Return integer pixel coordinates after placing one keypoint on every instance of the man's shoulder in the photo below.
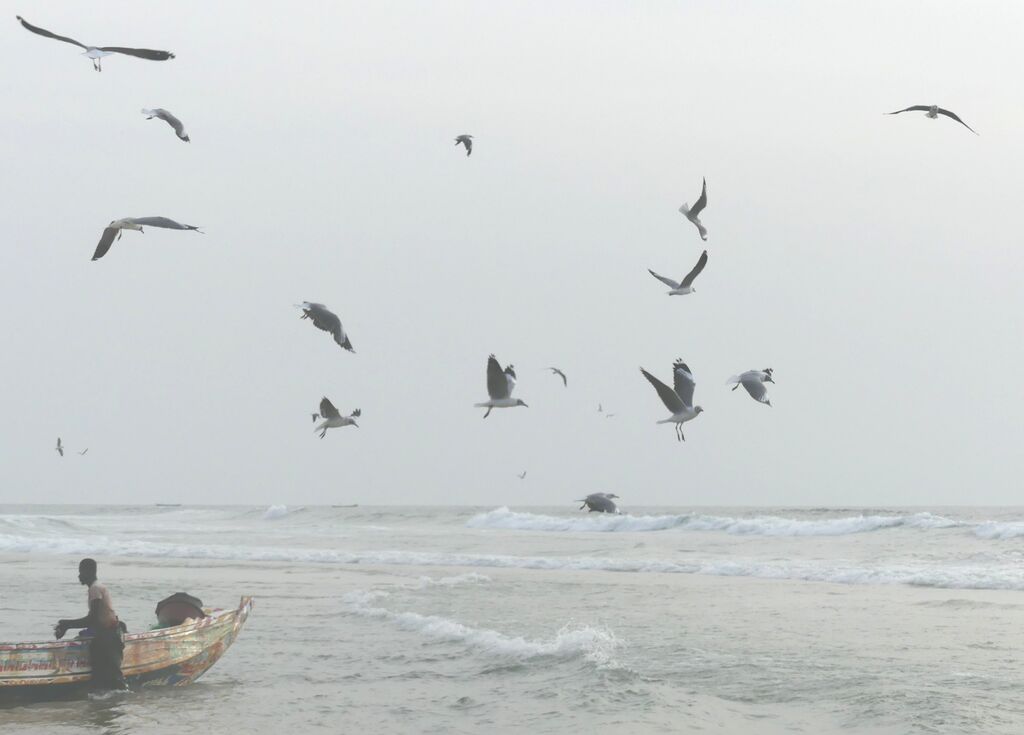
(97, 590)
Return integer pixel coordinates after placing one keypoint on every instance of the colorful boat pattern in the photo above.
(32, 672)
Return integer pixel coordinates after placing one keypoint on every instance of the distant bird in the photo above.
(500, 384)
(98, 52)
(179, 127)
(84, 451)
(679, 400)
(685, 286)
(328, 321)
(693, 213)
(522, 475)
(333, 419)
(60, 447)
(600, 503)
(556, 371)
(115, 228)
(933, 111)
(600, 409)
(754, 381)
(466, 140)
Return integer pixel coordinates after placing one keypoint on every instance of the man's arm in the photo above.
(89, 620)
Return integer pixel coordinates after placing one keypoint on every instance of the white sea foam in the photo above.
(997, 530)
(593, 644)
(503, 518)
(274, 512)
(457, 580)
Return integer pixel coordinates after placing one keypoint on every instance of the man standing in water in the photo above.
(106, 645)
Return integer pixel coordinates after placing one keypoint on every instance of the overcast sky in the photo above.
(874, 262)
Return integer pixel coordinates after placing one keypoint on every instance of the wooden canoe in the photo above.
(33, 672)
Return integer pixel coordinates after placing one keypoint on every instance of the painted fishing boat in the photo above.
(33, 672)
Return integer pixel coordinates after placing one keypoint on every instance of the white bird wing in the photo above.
(701, 262)
(668, 396)
(757, 390)
(953, 116)
(702, 202)
(684, 382)
(106, 240)
(48, 34)
(166, 116)
(667, 281)
(164, 222)
(497, 383)
(327, 409)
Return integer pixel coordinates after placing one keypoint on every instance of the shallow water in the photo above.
(549, 620)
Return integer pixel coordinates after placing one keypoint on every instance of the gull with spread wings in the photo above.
(500, 384)
(693, 213)
(753, 381)
(98, 52)
(114, 229)
(684, 286)
(933, 111)
(333, 419)
(325, 319)
(678, 400)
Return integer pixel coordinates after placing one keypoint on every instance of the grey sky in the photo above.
(874, 262)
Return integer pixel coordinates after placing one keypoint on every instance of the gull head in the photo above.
(697, 409)
(933, 111)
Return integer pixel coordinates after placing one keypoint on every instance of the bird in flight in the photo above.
(600, 409)
(556, 371)
(600, 503)
(679, 399)
(323, 318)
(60, 447)
(114, 229)
(693, 213)
(684, 286)
(522, 475)
(754, 383)
(466, 140)
(500, 384)
(333, 418)
(96, 53)
(82, 453)
(933, 111)
(179, 127)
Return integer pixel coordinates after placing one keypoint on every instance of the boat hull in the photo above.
(34, 672)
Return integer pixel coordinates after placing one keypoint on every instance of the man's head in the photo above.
(87, 571)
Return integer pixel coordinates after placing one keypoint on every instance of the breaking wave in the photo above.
(274, 512)
(503, 518)
(997, 530)
(592, 644)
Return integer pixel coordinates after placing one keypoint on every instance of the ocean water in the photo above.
(548, 620)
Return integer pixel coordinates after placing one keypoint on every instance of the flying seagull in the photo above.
(60, 447)
(98, 52)
(522, 475)
(693, 213)
(600, 503)
(678, 400)
(600, 409)
(500, 384)
(556, 371)
(84, 451)
(754, 381)
(334, 419)
(933, 111)
(115, 228)
(179, 127)
(466, 140)
(685, 286)
(326, 320)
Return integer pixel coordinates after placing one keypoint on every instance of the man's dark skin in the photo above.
(106, 646)
(86, 576)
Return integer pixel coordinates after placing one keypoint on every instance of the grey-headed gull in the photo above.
(933, 111)
(167, 117)
(684, 286)
(693, 213)
(333, 418)
(500, 384)
(754, 383)
(600, 503)
(114, 229)
(98, 52)
(325, 319)
(678, 400)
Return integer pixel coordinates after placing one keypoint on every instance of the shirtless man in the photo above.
(106, 645)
